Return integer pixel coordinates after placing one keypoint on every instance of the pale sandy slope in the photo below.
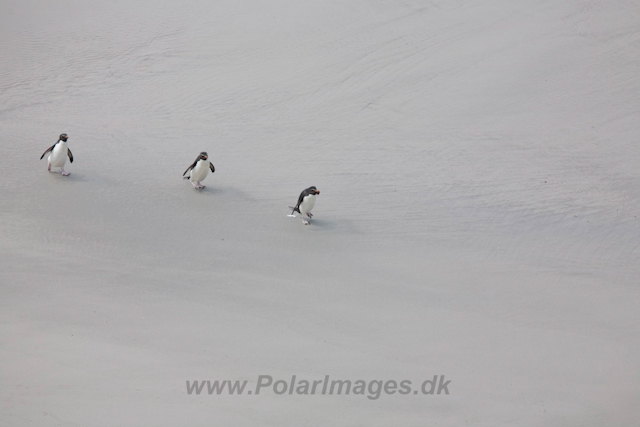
(478, 217)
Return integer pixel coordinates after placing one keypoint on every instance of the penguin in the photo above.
(59, 153)
(199, 170)
(306, 202)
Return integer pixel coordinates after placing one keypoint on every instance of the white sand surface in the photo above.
(479, 214)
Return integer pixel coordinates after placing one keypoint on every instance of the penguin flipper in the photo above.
(70, 155)
(213, 169)
(48, 149)
(300, 199)
(193, 165)
(295, 209)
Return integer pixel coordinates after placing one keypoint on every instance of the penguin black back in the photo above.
(306, 192)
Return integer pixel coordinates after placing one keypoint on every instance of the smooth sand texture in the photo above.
(479, 213)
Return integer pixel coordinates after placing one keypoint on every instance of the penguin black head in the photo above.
(63, 136)
(313, 190)
(203, 156)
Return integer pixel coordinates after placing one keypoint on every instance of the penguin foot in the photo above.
(305, 222)
(49, 167)
(309, 214)
(64, 173)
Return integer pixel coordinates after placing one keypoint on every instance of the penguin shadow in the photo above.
(209, 190)
(68, 179)
(223, 191)
(79, 178)
(329, 225)
(322, 224)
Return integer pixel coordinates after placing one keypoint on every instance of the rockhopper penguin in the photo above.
(306, 202)
(59, 153)
(199, 170)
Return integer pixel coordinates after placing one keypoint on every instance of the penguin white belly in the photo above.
(58, 156)
(199, 172)
(307, 204)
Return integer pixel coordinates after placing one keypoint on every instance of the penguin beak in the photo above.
(317, 191)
